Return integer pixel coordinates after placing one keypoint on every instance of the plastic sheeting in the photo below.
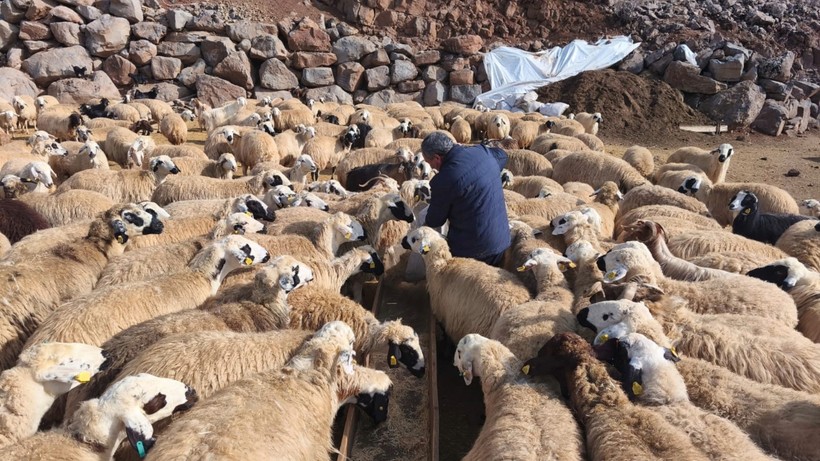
(513, 72)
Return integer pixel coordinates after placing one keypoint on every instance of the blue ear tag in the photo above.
(140, 449)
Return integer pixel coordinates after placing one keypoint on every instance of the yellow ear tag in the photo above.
(372, 264)
(611, 275)
(604, 338)
(393, 361)
(572, 265)
(119, 239)
(747, 211)
(416, 197)
(526, 369)
(248, 261)
(83, 377)
(236, 231)
(426, 248)
(349, 235)
(673, 351)
(637, 389)
(521, 268)
(249, 213)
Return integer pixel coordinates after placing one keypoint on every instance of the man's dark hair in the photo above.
(436, 143)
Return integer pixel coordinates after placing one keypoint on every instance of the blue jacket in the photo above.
(467, 190)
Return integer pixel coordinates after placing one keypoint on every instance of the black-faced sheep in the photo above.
(751, 223)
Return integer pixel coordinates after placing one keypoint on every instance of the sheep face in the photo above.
(371, 264)
(267, 127)
(39, 172)
(133, 220)
(622, 258)
(136, 153)
(280, 197)
(241, 224)
(188, 116)
(18, 103)
(421, 240)
(374, 397)
(335, 187)
(398, 208)
(284, 273)
(137, 402)
(38, 137)
(466, 356)
(227, 162)
(241, 252)
(256, 208)
(597, 117)
(581, 251)
(83, 133)
(351, 135)
(60, 367)
(231, 135)
(610, 333)
(724, 152)
(422, 192)
(545, 257)
(403, 347)
(567, 221)
(273, 178)
(155, 210)
(163, 165)
(13, 185)
(637, 357)
(348, 227)
(743, 202)
(690, 186)
(305, 164)
(49, 148)
(405, 125)
(310, 200)
(92, 149)
(563, 352)
(600, 315)
(506, 178)
(785, 273)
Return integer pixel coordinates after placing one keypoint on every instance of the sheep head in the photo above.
(252, 206)
(744, 202)
(18, 103)
(283, 273)
(724, 152)
(581, 251)
(785, 273)
(128, 220)
(371, 263)
(348, 227)
(228, 163)
(564, 223)
(635, 353)
(467, 356)
(402, 346)
(422, 240)
(368, 389)
(309, 199)
(627, 261)
(598, 316)
(39, 172)
(608, 194)
(545, 258)
(280, 197)
(562, 353)
(83, 133)
(506, 178)
(163, 165)
(239, 224)
(48, 148)
(154, 210)
(92, 149)
(398, 208)
(60, 367)
(330, 349)
(133, 403)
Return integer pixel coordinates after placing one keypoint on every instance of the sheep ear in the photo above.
(155, 404)
(671, 354)
(139, 431)
(65, 374)
(120, 233)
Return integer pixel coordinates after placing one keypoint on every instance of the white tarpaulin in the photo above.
(513, 72)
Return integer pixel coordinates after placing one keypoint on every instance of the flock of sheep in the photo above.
(143, 280)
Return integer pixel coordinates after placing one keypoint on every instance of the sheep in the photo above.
(45, 101)
(750, 346)
(548, 207)
(5, 246)
(220, 140)
(124, 185)
(159, 109)
(325, 151)
(756, 225)
(717, 197)
(222, 168)
(362, 178)
(499, 127)
(259, 306)
(26, 111)
(35, 286)
(693, 243)
(461, 130)
(122, 112)
(526, 132)
(641, 159)
(650, 369)
(174, 128)
(593, 142)
(144, 111)
(714, 163)
(488, 292)
(615, 428)
(212, 119)
(802, 241)
(583, 191)
(8, 121)
(589, 121)
(89, 156)
(530, 186)
(546, 142)
(368, 156)
(657, 195)
(290, 143)
(522, 328)
(151, 262)
(803, 285)
(526, 413)
(253, 148)
(674, 178)
(175, 152)
(68, 206)
(374, 117)
(59, 121)
(93, 320)
(243, 203)
(523, 162)
(288, 119)
(38, 173)
(812, 207)
(198, 188)
(313, 383)
(732, 294)
(662, 213)
(565, 127)
(42, 374)
(126, 410)
(117, 146)
(17, 220)
(581, 225)
(380, 137)
(595, 169)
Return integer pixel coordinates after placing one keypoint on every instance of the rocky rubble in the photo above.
(105, 47)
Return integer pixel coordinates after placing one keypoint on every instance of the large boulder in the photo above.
(275, 75)
(178, 19)
(119, 69)
(67, 33)
(352, 48)
(465, 94)
(236, 68)
(189, 74)
(55, 64)
(425, 58)
(151, 31)
(302, 59)
(738, 106)
(772, 118)
(208, 21)
(330, 93)
(80, 91)
(728, 70)
(90, 13)
(266, 46)
(16, 83)
(247, 30)
(107, 35)
(64, 13)
(308, 39)
(14, 58)
(384, 97)
(463, 44)
(10, 13)
(215, 91)
(37, 10)
(8, 35)
(349, 76)
(188, 53)
(378, 78)
(140, 52)
(128, 9)
(778, 68)
(215, 49)
(317, 76)
(167, 91)
(686, 77)
(402, 71)
(165, 68)
(31, 30)
(435, 93)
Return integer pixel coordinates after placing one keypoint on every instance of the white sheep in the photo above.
(595, 169)
(288, 119)
(461, 130)
(802, 240)
(255, 147)
(523, 418)
(124, 185)
(714, 163)
(589, 121)
(26, 111)
(198, 188)
(641, 159)
(89, 156)
(290, 143)
(45, 101)
(8, 121)
(214, 118)
(222, 168)
(174, 128)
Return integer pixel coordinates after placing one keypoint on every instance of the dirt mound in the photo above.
(631, 105)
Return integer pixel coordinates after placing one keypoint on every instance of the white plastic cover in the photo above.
(513, 72)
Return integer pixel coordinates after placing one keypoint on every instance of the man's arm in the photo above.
(440, 200)
(500, 156)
